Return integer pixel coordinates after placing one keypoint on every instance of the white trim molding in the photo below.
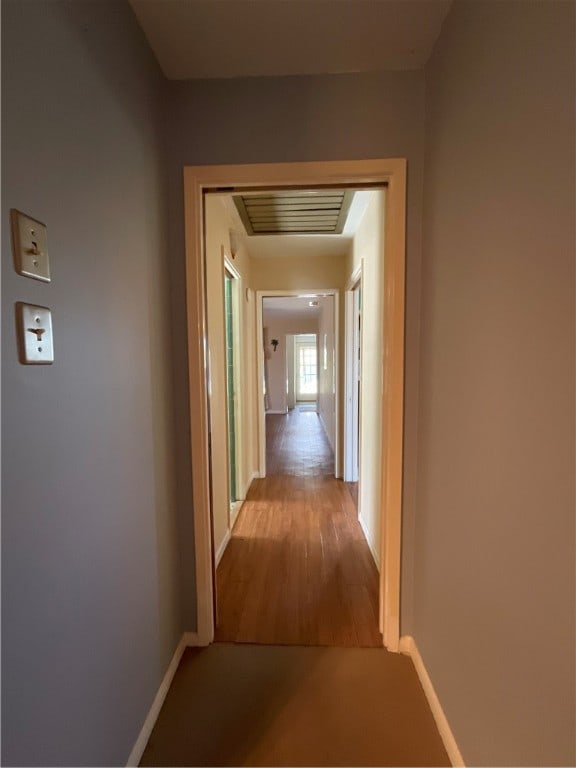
(370, 544)
(194, 640)
(152, 716)
(222, 547)
(355, 277)
(254, 476)
(408, 646)
(235, 508)
(188, 639)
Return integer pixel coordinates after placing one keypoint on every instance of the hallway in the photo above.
(298, 570)
(297, 675)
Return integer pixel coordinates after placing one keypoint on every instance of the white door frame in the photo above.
(234, 507)
(312, 293)
(290, 372)
(201, 179)
(351, 347)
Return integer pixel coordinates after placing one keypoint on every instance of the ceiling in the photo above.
(197, 39)
(292, 308)
(294, 212)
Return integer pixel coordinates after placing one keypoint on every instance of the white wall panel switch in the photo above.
(30, 244)
(35, 334)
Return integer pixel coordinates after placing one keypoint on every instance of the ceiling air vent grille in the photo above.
(316, 212)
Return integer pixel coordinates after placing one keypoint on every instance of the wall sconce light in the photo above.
(274, 343)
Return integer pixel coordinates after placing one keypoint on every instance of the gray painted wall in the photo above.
(494, 580)
(286, 119)
(90, 600)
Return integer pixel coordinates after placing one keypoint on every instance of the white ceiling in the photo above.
(289, 308)
(194, 39)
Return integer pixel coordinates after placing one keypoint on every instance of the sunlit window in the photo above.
(307, 370)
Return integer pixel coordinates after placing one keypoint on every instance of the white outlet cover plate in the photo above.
(35, 332)
(30, 244)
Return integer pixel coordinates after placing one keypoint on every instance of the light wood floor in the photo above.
(296, 444)
(298, 569)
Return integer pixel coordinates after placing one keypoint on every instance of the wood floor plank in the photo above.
(298, 570)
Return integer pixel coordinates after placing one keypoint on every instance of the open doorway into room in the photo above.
(298, 504)
(303, 369)
(298, 569)
(299, 420)
(295, 501)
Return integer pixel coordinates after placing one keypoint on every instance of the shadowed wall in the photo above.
(494, 579)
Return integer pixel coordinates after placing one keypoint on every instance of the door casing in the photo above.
(352, 346)
(260, 295)
(230, 269)
(199, 180)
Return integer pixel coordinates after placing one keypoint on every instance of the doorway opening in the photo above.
(353, 381)
(205, 180)
(305, 367)
(299, 330)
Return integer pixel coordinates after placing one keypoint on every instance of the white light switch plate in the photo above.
(35, 334)
(30, 243)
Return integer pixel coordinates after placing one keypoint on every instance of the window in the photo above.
(306, 367)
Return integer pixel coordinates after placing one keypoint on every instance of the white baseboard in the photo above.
(409, 647)
(188, 639)
(370, 545)
(328, 436)
(283, 413)
(222, 547)
(235, 511)
(254, 476)
(150, 721)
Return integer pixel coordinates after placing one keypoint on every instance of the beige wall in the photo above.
(368, 249)
(296, 273)
(494, 579)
